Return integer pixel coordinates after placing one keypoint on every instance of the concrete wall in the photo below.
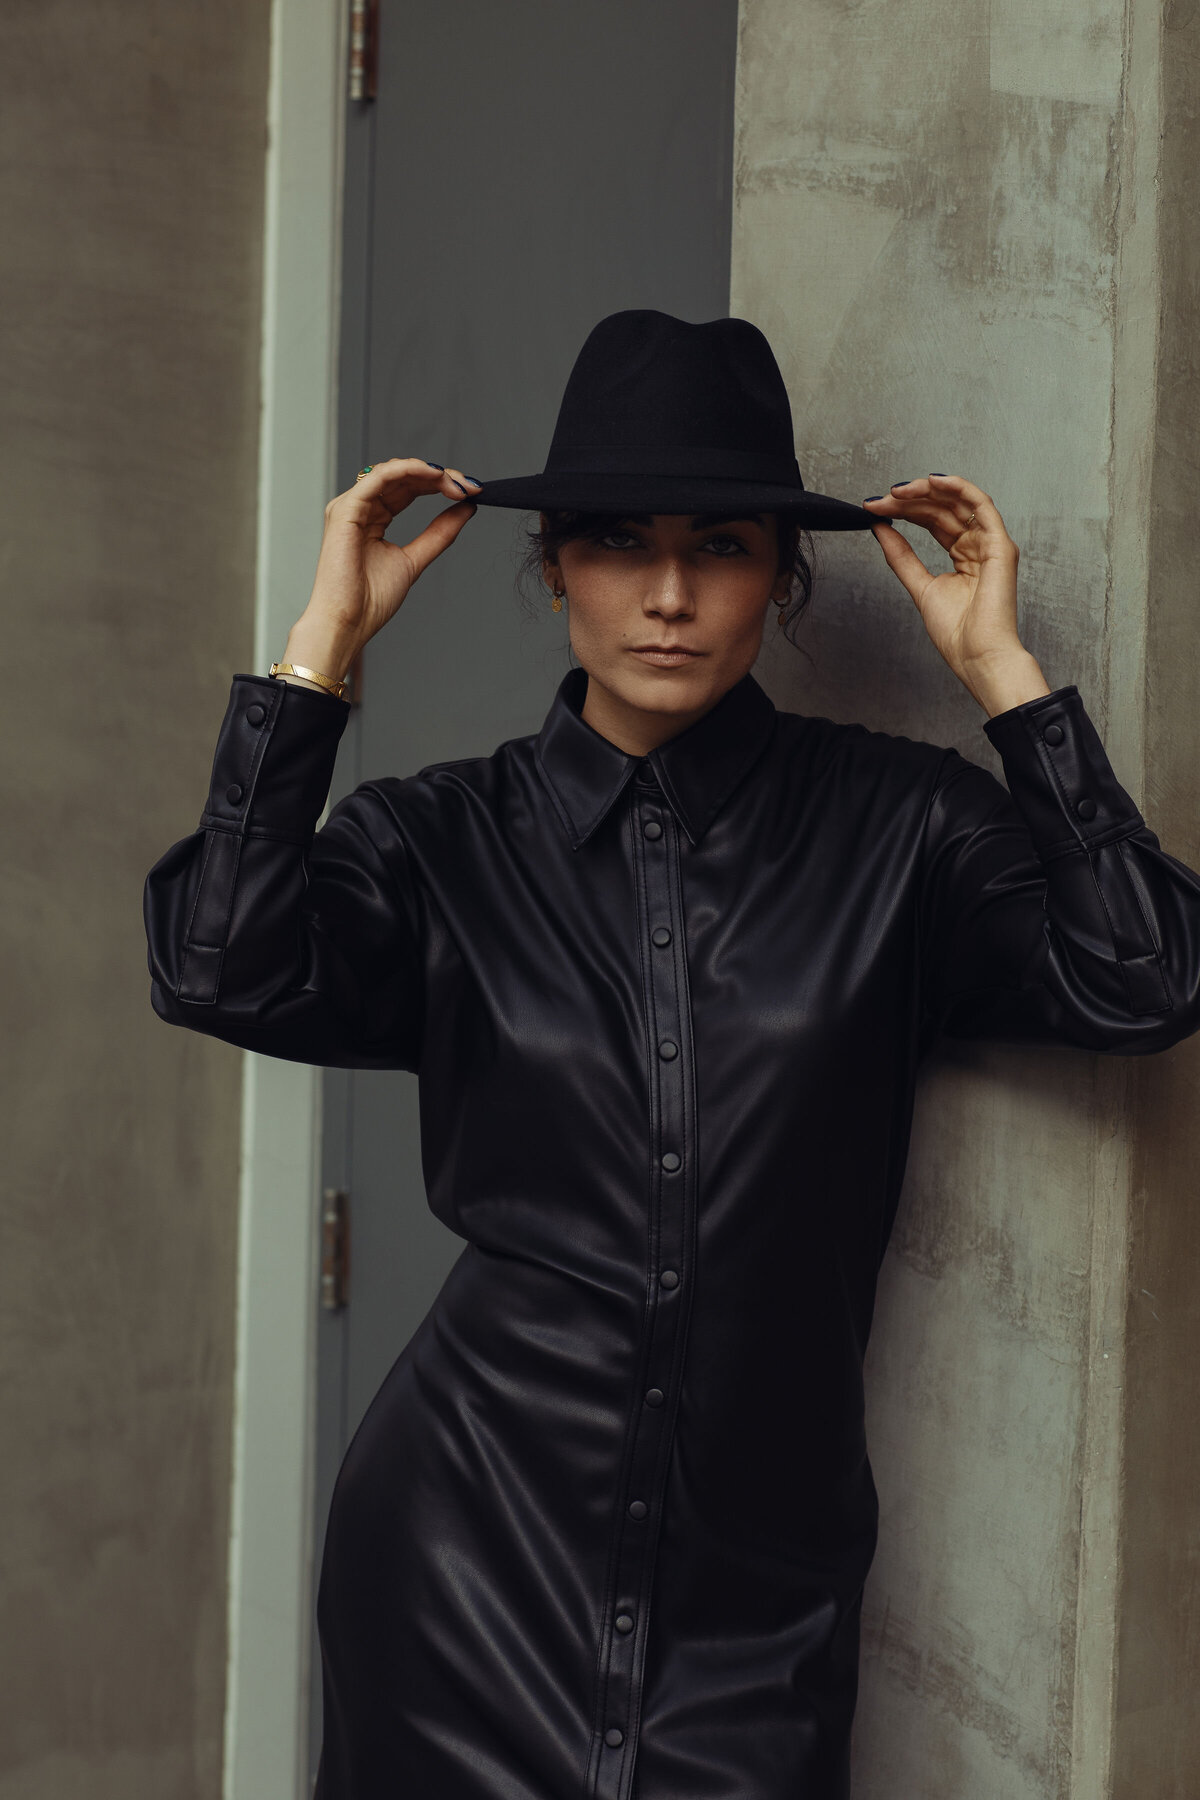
(130, 212)
(1158, 1675)
(947, 223)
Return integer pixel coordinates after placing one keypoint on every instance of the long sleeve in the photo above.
(261, 930)
(1051, 911)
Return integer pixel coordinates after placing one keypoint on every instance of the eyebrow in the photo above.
(702, 521)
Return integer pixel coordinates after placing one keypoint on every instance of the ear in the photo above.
(551, 573)
(781, 586)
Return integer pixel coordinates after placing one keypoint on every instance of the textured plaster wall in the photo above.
(130, 214)
(946, 223)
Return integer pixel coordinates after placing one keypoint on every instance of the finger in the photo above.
(405, 476)
(938, 508)
(977, 511)
(437, 536)
(949, 531)
(388, 487)
(903, 561)
(464, 484)
(969, 501)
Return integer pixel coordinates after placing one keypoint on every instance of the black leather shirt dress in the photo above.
(604, 1530)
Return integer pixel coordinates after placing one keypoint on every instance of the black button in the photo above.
(654, 1397)
(614, 1736)
(652, 829)
(668, 1050)
(1086, 808)
(638, 1509)
(623, 1623)
(255, 714)
(668, 1279)
(1053, 734)
(671, 1161)
(660, 936)
(233, 793)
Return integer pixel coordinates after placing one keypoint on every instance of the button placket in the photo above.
(669, 1239)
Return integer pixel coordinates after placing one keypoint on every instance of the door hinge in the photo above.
(364, 49)
(335, 1249)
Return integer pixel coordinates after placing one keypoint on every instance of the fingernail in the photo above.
(940, 472)
(871, 497)
(475, 479)
(906, 483)
(433, 465)
(458, 484)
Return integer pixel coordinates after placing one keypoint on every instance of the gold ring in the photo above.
(365, 471)
(969, 523)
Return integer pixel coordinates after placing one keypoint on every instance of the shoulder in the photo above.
(447, 789)
(833, 749)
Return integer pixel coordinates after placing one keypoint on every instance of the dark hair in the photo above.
(796, 552)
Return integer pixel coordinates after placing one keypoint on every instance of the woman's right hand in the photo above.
(362, 580)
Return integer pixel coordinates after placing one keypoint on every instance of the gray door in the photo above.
(525, 169)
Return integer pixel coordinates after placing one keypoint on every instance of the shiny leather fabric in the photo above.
(604, 1529)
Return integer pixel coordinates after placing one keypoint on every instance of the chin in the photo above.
(669, 690)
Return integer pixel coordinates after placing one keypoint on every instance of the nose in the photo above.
(669, 592)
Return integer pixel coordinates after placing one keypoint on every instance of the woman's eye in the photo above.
(725, 544)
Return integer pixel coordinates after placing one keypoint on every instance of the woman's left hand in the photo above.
(971, 614)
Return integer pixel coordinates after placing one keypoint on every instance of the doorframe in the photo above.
(271, 1549)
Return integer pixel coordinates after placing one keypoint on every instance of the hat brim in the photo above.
(672, 494)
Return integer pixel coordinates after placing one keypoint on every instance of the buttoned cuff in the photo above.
(1059, 775)
(274, 759)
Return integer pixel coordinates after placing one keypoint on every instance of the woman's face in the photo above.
(698, 586)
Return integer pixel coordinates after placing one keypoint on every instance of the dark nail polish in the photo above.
(441, 467)
(458, 484)
(897, 484)
(873, 497)
(475, 479)
(940, 472)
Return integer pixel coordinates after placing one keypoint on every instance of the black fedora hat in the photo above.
(663, 416)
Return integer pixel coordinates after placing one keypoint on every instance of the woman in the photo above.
(666, 970)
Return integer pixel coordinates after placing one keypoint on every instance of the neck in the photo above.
(632, 728)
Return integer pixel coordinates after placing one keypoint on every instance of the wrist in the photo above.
(1006, 679)
(321, 645)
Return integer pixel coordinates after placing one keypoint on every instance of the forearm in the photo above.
(261, 930)
(1056, 913)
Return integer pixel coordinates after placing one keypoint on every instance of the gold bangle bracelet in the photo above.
(328, 682)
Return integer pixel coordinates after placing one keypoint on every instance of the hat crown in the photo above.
(650, 392)
(660, 415)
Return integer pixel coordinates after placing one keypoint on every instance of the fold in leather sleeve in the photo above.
(1051, 910)
(298, 943)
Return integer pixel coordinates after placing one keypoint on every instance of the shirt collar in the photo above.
(585, 772)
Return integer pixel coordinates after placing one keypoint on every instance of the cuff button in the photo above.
(1086, 808)
(255, 714)
(1053, 734)
(233, 793)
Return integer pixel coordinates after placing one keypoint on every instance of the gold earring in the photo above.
(557, 601)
